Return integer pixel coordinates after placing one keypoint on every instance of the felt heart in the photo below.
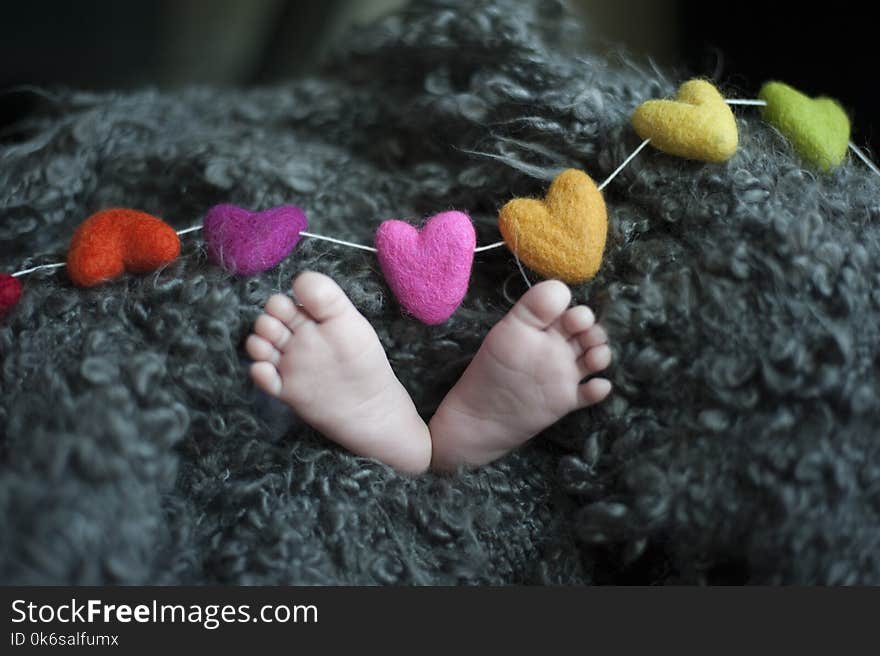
(113, 241)
(10, 292)
(698, 124)
(817, 128)
(429, 269)
(246, 242)
(562, 236)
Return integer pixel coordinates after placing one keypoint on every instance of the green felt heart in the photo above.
(817, 128)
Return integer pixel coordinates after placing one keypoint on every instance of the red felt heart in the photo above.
(117, 240)
(10, 292)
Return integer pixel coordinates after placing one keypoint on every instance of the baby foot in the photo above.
(324, 360)
(526, 375)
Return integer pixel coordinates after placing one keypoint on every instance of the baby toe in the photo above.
(542, 305)
(576, 320)
(262, 350)
(594, 336)
(281, 307)
(266, 377)
(597, 358)
(593, 391)
(321, 297)
(272, 330)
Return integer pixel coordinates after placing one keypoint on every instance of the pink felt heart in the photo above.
(429, 269)
(245, 242)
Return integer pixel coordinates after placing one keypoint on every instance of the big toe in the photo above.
(542, 304)
(322, 298)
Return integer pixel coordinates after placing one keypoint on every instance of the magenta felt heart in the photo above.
(246, 242)
(429, 269)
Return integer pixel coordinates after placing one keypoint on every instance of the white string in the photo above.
(518, 263)
(522, 271)
(24, 272)
(864, 158)
(504, 292)
(616, 171)
(479, 249)
(755, 103)
(497, 244)
(339, 241)
(193, 229)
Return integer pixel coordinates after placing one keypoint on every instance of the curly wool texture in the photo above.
(741, 300)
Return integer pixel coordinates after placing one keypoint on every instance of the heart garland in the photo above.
(561, 236)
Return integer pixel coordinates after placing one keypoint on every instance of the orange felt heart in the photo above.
(562, 236)
(111, 242)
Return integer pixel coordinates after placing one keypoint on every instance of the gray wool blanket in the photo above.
(741, 444)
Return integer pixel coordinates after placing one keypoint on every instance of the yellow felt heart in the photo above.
(562, 236)
(698, 124)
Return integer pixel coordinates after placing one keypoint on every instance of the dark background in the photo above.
(103, 44)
